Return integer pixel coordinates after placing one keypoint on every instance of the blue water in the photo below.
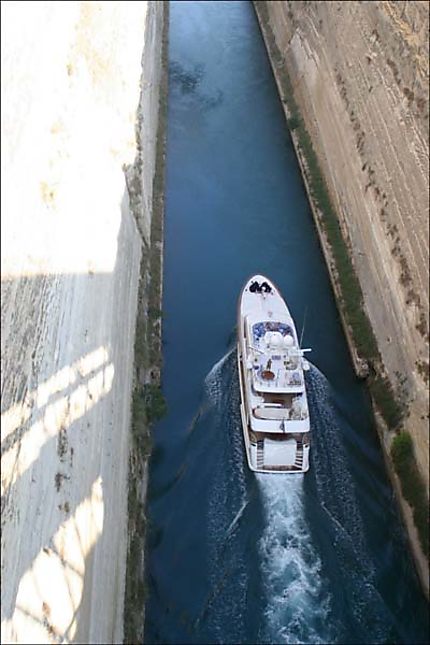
(233, 557)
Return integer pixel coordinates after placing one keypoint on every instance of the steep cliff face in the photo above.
(77, 78)
(360, 75)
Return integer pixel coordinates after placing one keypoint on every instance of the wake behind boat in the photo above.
(274, 407)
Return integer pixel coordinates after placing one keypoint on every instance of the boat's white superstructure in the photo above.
(274, 407)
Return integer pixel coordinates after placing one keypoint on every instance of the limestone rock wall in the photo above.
(360, 72)
(77, 78)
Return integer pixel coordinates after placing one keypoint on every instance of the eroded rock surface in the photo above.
(360, 72)
(72, 77)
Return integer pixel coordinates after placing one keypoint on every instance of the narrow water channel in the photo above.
(233, 557)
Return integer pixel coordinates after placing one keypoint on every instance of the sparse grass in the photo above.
(141, 350)
(413, 487)
(351, 303)
(140, 424)
(148, 404)
(157, 222)
(134, 598)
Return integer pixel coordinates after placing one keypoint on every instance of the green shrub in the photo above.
(138, 410)
(293, 123)
(155, 403)
(402, 448)
(382, 392)
(155, 312)
(413, 487)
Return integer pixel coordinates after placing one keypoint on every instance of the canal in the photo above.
(233, 557)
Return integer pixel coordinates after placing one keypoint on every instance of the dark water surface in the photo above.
(233, 557)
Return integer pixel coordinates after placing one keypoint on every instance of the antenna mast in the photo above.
(303, 327)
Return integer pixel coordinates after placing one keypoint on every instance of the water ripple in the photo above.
(368, 613)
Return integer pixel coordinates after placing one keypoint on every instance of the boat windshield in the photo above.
(261, 328)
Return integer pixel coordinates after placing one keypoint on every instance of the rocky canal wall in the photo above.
(359, 75)
(80, 97)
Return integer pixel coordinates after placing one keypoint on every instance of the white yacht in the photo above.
(274, 407)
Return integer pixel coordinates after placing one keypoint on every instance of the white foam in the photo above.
(237, 517)
(214, 384)
(297, 606)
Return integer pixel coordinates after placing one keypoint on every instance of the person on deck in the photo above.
(266, 287)
(255, 287)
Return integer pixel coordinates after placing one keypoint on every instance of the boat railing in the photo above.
(279, 413)
(282, 378)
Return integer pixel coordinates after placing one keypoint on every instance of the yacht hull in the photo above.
(268, 449)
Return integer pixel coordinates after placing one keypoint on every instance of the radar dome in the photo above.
(277, 339)
(288, 340)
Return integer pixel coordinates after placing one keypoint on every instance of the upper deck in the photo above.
(274, 353)
(271, 347)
